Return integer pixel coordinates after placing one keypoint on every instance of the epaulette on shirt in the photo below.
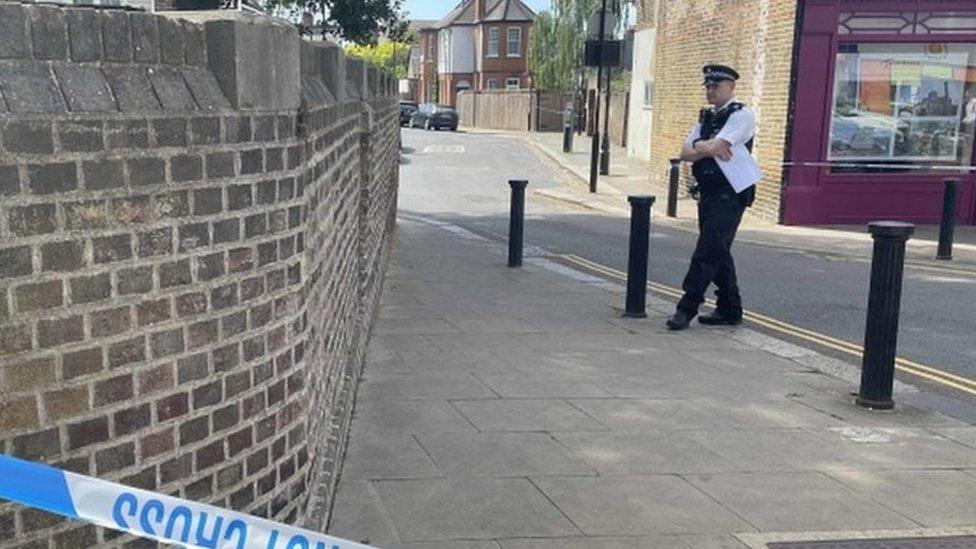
(706, 113)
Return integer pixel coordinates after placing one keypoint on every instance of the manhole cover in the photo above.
(952, 542)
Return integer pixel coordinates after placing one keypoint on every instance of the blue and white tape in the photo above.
(148, 514)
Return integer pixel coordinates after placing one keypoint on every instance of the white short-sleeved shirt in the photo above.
(738, 130)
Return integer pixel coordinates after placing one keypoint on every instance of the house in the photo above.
(478, 45)
(641, 103)
(423, 62)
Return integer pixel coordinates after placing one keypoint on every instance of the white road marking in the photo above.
(456, 149)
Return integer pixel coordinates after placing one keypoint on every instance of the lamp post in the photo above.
(603, 53)
(605, 150)
(595, 149)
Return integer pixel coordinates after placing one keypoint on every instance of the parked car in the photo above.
(434, 117)
(407, 108)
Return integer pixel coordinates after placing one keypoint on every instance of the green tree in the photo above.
(356, 21)
(392, 57)
(557, 40)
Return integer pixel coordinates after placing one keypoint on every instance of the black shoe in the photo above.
(679, 320)
(716, 318)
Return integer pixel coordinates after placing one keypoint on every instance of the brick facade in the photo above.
(754, 36)
(188, 266)
(503, 66)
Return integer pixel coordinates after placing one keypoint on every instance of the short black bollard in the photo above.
(884, 302)
(948, 226)
(673, 187)
(568, 131)
(640, 226)
(516, 221)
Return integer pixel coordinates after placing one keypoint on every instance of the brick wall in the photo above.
(194, 219)
(755, 37)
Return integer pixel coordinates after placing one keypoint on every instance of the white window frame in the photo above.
(494, 39)
(509, 51)
(510, 79)
(493, 84)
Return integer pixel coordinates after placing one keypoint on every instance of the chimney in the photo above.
(479, 10)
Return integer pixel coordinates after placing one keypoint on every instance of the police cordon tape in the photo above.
(148, 514)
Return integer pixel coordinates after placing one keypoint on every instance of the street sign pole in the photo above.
(595, 148)
(605, 152)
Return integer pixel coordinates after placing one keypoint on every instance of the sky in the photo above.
(435, 9)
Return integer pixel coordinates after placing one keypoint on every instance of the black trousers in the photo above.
(718, 220)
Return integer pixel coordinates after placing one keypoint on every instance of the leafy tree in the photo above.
(392, 57)
(557, 40)
(356, 21)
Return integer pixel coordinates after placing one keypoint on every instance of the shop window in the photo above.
(903, 107)
(512, 84)
(493, 34)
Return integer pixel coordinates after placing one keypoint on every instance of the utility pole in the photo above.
(605, 151)
(595, 149)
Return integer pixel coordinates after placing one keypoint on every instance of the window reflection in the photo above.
(900, 107)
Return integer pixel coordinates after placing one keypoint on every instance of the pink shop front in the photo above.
(884, 111)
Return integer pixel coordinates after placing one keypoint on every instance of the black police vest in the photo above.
(711, 180)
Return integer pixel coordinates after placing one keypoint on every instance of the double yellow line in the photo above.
(926, 372)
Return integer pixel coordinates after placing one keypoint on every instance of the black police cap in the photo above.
(717, 73)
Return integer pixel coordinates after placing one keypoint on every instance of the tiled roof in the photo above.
(422, 24)
(509, 10)
(495, 10)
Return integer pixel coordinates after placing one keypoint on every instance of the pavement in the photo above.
(629, 175)
(516, 409)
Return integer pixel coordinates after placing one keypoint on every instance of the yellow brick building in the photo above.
(755, 37)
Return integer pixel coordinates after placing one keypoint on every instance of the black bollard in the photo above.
(640, 226)
(516, 220)
(568, 137)
(673, 187)
(948, 226)
(884, 301)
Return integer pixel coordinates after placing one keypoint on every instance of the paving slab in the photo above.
(454, 385)
(532, 415)
(797, 501)
(708, 541)
(903, 415)
(501, 455)
(962, 435)
(381, 456)
(523, 385)
(466, 509)
(603, 542)
(932, 498)
(646, 452)
(398, 417)
(638, 505)
(645, 414)
(417, 326)
(361, 515)
(453, 544)
(779, 449)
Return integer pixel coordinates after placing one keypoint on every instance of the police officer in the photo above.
(725, 125)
